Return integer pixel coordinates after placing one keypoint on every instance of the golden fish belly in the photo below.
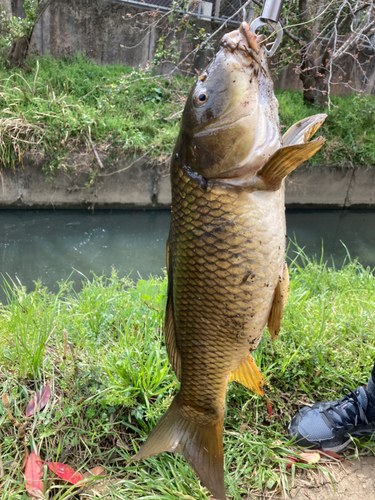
(227, 251)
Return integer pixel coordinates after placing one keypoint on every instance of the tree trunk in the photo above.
(6, 5)
(314, 82)
(315, 75)
(18, 51)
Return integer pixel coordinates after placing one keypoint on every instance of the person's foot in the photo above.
(329, 425)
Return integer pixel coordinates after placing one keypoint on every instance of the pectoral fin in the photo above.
(286, 159)
(169, 327)
(303, 130)
(295, 151)
(279, 302)
(248, 374)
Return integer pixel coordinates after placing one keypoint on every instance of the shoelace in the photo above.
(354, 415)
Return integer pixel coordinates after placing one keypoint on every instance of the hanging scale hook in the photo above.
(270, 17)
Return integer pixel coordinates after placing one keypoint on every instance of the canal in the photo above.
(51, 245)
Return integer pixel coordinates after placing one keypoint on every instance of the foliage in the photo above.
(180, 37)
(13, 27)
(321, 37)
(63, 104)
(16, 32)
(110, 379)
(59, 106)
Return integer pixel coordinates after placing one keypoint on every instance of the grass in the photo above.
(349, 127)
(57, 106)
(103, 354)
(61, 105)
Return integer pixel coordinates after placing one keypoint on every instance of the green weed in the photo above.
(349, 127)
(63, 105)
(103, 353)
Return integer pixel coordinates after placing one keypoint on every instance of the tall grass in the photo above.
(111, 380)
(60, 105)
(63, 105)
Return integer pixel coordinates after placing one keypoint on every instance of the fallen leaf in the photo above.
(95, 471)
(34, 475)
(41, 398)
(290, 461)
(65, 472)
(269, 409)
(334, 455)
(311, 457)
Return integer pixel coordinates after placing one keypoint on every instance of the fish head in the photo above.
(230, 124)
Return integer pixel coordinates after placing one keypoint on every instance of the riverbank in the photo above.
(57, 110)
(101, 352)
(143, 183)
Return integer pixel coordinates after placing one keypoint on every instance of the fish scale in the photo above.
(232, 311)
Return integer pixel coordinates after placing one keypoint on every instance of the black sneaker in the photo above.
(329, 425)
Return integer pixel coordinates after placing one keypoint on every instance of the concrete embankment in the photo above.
(141, 184)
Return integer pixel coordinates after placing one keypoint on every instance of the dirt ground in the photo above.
(352, 482)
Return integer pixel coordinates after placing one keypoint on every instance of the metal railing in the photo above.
(210, 10)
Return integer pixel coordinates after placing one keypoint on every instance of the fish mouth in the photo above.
(244, 41)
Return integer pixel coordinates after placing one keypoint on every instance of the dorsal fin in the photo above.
(169, 327)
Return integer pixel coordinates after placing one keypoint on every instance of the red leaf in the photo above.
(41, 398)
(65, 472)
(290, 461)
(269, 409)
(34, 475)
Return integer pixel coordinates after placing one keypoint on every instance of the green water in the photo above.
(50, 245)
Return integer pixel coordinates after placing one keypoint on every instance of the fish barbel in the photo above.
(226, 248)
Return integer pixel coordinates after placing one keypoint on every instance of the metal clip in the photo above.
(270, 16)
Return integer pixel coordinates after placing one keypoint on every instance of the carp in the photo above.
(226, 247)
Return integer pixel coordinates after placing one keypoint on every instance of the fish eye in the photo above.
(201, 98)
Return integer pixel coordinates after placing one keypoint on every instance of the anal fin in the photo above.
(248, 374)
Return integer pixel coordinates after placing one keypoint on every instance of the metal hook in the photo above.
(277, 28)
(271, 10)
(270, 16)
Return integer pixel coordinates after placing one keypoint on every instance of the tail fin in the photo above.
(201, 445)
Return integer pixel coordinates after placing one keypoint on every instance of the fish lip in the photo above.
(241, 39)
(245, 42)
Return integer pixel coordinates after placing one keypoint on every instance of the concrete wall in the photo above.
(288, 79)
(140, 184)
(103, 31)
(96, 28)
